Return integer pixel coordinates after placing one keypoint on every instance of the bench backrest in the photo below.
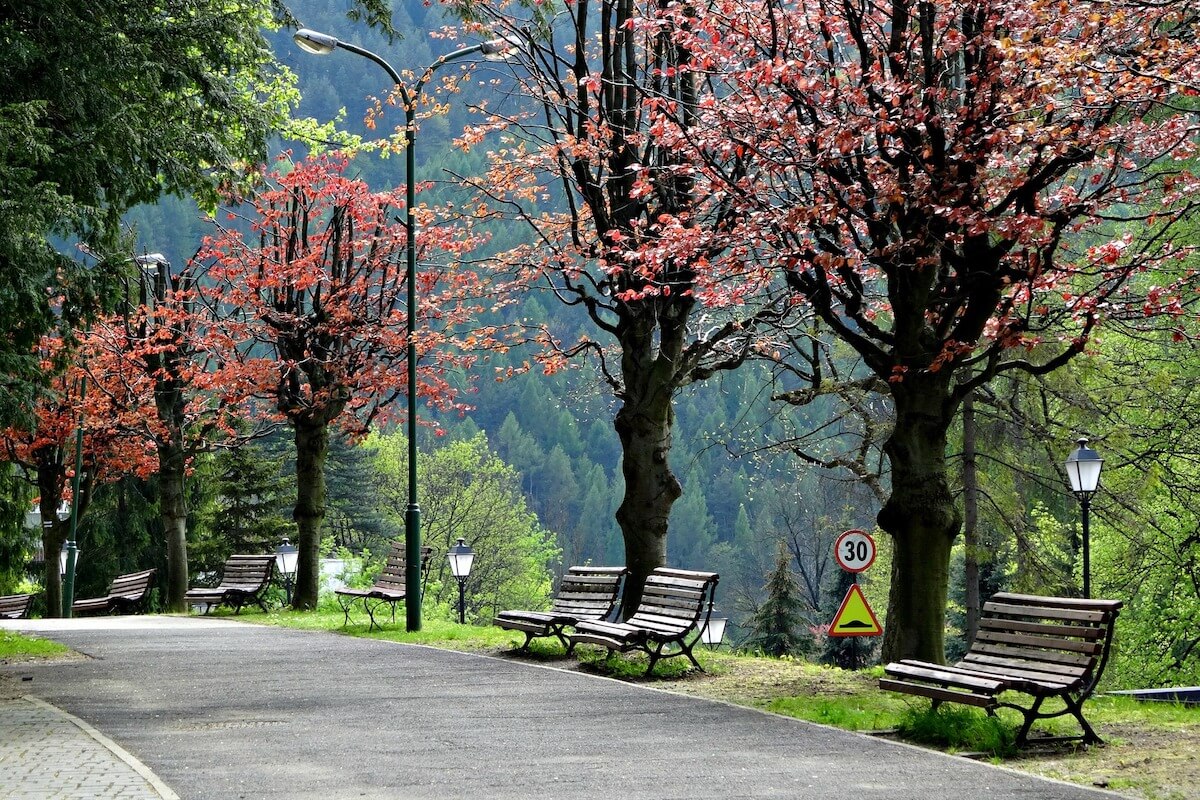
(675, 600)
(1058, 638)
(133, 587)
(392, 577)
(247, 572)
(15, 606)
(589, 592)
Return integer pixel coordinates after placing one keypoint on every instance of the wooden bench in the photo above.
(586, 593)
(15, 606)
(674, 609)
(390, 587)
(1044, 647)
(128, 594)
(244, 579)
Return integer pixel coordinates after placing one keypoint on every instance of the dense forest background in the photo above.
(758, 474)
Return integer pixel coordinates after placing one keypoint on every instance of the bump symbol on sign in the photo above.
(855, 617)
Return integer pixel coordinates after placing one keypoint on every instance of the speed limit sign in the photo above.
(854, 551)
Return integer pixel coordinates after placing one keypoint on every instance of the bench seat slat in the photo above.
(1065, 614)
(1011, 651)
(1043, 680)
(945, 676)
(938, 693)
(1030, 681)
(1090, 648)
(973, 659)
(1043, 628)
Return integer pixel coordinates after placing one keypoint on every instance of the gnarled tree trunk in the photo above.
(172, 510)
(312, 445)
(921, 517)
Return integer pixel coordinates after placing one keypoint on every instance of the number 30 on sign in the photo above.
(854, 551)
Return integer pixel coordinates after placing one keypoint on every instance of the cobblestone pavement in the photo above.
(47, 754)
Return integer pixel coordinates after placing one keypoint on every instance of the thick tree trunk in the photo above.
(172, 510)
(922, 519)
(51, 476)
(650, 490)
(971, 548)
(651, 345)
(312, 444)
(53, 538)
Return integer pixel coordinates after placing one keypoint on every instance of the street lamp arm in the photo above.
(322, 43)
(388, 68)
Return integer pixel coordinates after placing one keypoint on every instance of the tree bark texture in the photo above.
(173, 512)
(971, 547)
(922, 519)
(644, 425)
(51, 476)
(312, 445)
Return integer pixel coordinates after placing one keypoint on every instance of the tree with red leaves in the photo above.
(315, 307)
(618, 234)
(65, 417)
(162, 368)
(956, 189)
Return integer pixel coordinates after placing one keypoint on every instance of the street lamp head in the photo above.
(314, 42)
(150, 261)
(713, 632)
(64, 557)
(1083, 470)
(286, 556)
(502, 48)
(461, 556)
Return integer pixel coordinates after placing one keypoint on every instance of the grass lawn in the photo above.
(18, 647)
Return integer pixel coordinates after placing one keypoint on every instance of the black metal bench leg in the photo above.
(1076, 709)
(562, 637)
(371, 613)
(345, 603)
(1030, 716)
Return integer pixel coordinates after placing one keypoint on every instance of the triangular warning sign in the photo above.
(855, 617)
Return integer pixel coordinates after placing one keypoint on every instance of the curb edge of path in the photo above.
(164, 791)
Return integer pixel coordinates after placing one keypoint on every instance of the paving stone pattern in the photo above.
(45, 755)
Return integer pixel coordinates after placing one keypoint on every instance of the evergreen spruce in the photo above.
(252, 496)
(778, 627)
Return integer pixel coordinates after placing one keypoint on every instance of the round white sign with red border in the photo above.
(854, 551)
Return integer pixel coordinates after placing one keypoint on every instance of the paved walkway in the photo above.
(225, 710)
(47, 754)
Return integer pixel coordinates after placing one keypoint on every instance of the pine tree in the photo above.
(251, 500)
(778, 627)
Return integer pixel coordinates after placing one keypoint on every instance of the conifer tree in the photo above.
(778, 627)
